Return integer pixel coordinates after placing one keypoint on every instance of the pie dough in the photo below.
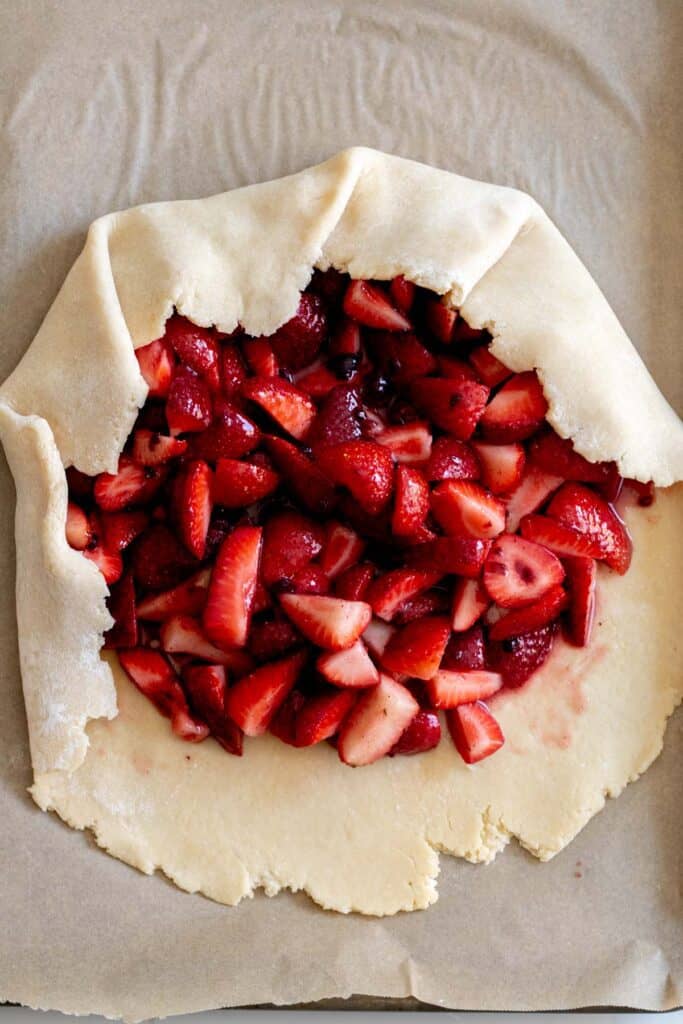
(367, 839)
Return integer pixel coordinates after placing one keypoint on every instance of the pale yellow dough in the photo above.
(354, 839)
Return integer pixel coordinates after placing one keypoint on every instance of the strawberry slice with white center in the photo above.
(154, 677)
(474, 731)
(130, 485)
(182, 634)
(378, 720)
(448, 689)
(108, 562)
(554, 454)
(188, 406)
(491, 371)
(192, 501)
(151, 448)
(302, 477)
(365, 468)
(290, 542)
(417, 649)
(259, 354)
(516, 411)
(121, 606)
(353, 583)
(563, 540)
(452, 460)
(376, 636)
(533, 490)
(187, 598)
(206, 689)
(440, 320)
(580, 509)
(464, 507)
(502, 465)
(411, 502)
(582, 577)
(156, 366)
(531, 616)
(421, 735)
(342, 549)
(464, 556)
(230, 598)
(519, 657)
(195, 346)
(352, 667)
(321, 717)
(253, 700)
(290, 407)
(239, 484)
(454, 405)
(409, 443)
(388, 592)
(402, 292)
(470, 601)
(370, 306)
(518, 572)
(78, 529)
(327, 621)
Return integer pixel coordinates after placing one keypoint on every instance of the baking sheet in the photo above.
(107, 105)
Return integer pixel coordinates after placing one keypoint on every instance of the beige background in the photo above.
(106, 105)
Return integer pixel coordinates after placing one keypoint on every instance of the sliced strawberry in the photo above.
(388, 592)
(317, 380)
(457, 369)
(417, 649)
(195, 346)
(156, 366)
(534, 489)
(401, 357)
(411, 502)
(463, 507)
(283, 723)
(449, 689)
(452, 460)
(252, 702)
(464, 556)
(121, 528)
(188, 406)
(233, 372)
(121, 605)
(518, 657)
(290, 542)
(582, 510)
(376, 636)
(353, 583)
(409, 443)
(290, 407)
(230, 435)
(272, 638)
(327, 621)
(302, 477)
(188, 598)
(423, 733)
(433, 602)
(369, 305)
(582, 577)
(78, 527)
(465, 651)
(339, 417)
(491, 371)
(440, 320)
(239, 484)
(206, 689)
(154, 677)
(474, 731)
(230, 599)
(516, 411)
(130, 485)
(518, 572)
(341, 550)
(345, 341)
(364, 467)
(502, 465)
(563, 540)
(351, 667)
(298, 342)
(311, 580)
(376, 723)
(260, 357)
(402, 292)
(181, 634)
(532, 616)
(151, 448)
(192, 499)
(454, 405)
(322, 716)
(554, 454)
(108, 562)
(470, 601)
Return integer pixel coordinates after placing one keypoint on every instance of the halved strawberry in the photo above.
(327, 621)
(108, 562)
(270, 638)
(322, 716)
(230, 435)
(563, 540)
(290, 542)
(151, 448)
(516, 411)
(317, 380)
(206, 689)
(156, 366)
(238, 484)
(518, 572)
(297, 342)
(454, 405)
(260, 357)
(254, 699)
(440, 319)
(531, 616)
(376, 722)
(192, 500)
(402, 292)
(339, 417)
(464, 556)
(283, 722)
(449, 689)
(121, 605)
(465, 651)
(502, 465)
(233, 372)
(470, 601)
(452, 460)
(417, 649)
(463, 507)
(121, 528)
(582, 576)
(401, 357)
(582, 510)
(353, 583)
(188, 598)
(411, 442)
(341, 550)
(376, 636)
(518, 657)
(130, 485)
(154, 677)
(432, 602)
(290, 407)
(388, 592)
(474, 731)
(491, 371)
(302, 477)
(195, 346)
(555, 454)
(78, 527)
(365, 468)
(310, 580)
(533, 491)
(188, 406)
(230, 599)
(369, 305)
(182, 634)
(351, 667)
(423, 733)
(411, 502)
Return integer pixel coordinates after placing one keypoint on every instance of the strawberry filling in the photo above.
(345, 530)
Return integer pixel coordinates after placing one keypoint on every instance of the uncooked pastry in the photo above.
(366, 840)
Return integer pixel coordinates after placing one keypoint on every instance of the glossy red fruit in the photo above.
(464, 556)
(188, 407)
(353, 583)
(283, 723)
(365, 468)
(156, 366)
(345, 340)
(440, 320)
(457, 369)
(188, 598)
(490, 370)
(351, 667)
(230, 599)
(151, 448)
(233, 372)
(342, 548)
(465, 651)
(582, 510)
(401, 357)
(378, 720)
(423, 733)
(452, 460)
(272, 638)
(195, 346)
(417, 649)
(109, 563)
(260, 357)
(253, 700)
(290, 407)
(402, 292)
(239, 484)
(518, 572)
(532, 616)
(183, 634)
(290, 542)
(230, 435)
(121, 605)
(339, 417)
(582, 577)
(78, 528)
(531, 493)
(154, 677)
(450, 689)
(411, 502)
(516, 411)
(316, 380)
(454, 405)
(205, 686)
(518, 657)
(470, 601)
(411, 442)
(300, 475)
(556, 455)
(192, 501)
(474, 731)
(370, 306)
(130, 485)
(322, 716)
(121, 528)
(563, 540)
(310, 580)
(502, 465)
(298, 341)
(388, 592)
(327, 622)
(433, 602)
(463, 507)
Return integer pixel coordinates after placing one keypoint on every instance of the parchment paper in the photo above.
(105, 105)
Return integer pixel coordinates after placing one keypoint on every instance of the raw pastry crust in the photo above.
(364, 840)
